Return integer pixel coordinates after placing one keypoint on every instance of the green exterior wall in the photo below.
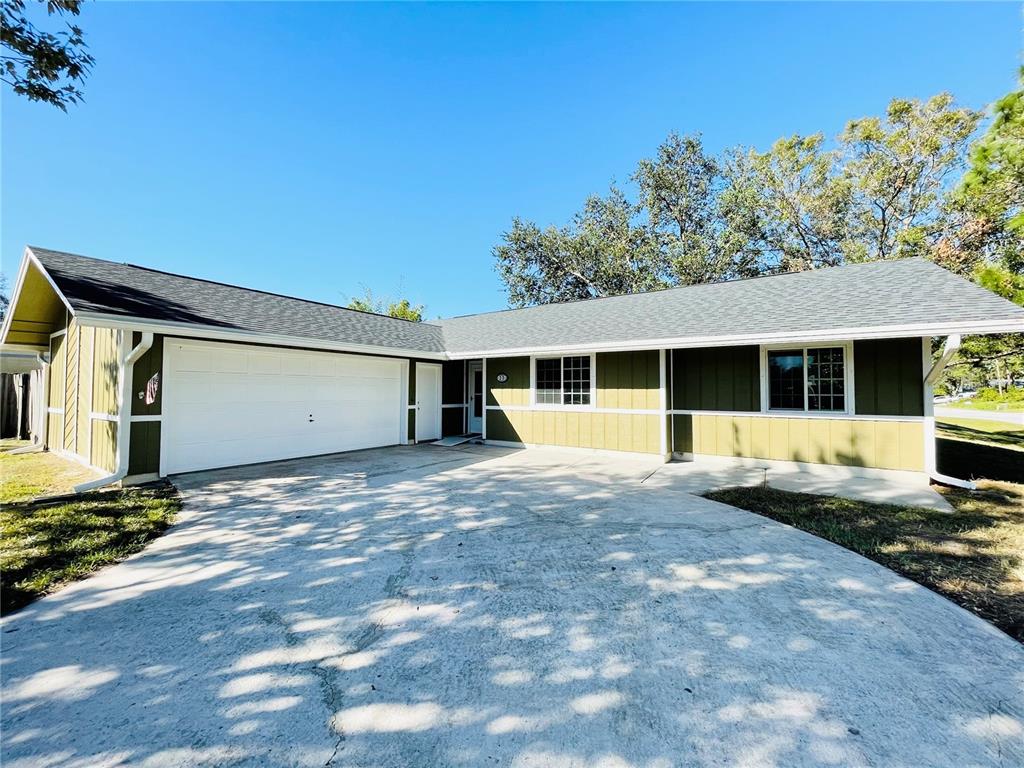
(144, 448)
(146, 367)
(624, 381)
(628, 380)
(716, 379)
(888, 377)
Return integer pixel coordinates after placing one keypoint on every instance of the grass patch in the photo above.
(975, 557)
(997, 433)
(45, 544)
(30, 475)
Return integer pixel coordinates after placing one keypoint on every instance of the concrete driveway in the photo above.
(470, 607)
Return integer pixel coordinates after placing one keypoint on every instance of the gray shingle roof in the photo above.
(877, 295)
(93, 285)
(872, 294)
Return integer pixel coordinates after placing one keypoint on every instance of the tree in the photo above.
(899, 170)
(602, 252)
(400, 308)
(990, 196)
(43, 66)
(786, 209)
(5, 301)
(679, 191)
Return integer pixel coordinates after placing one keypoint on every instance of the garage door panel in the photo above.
(250, 404)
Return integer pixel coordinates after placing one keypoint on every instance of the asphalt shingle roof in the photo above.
(872, 294)
(94, 285)
(875, 294)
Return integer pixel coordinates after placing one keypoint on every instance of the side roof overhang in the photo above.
(37, 308)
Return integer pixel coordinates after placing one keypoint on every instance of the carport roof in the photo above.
(905, 297)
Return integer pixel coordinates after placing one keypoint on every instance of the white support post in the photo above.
(663, 427)
(931, 376)
(483, 399)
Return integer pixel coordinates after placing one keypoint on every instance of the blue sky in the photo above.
(313, 148)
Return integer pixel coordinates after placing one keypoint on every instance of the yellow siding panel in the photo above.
(725, 436)
(911, 445)
(863, 443)
(71, 388)
(819, 449)
(841, 448)
(708, 444)
(887, 443)
(800, 440)
(572, 429)
(638, 426)
(760, 438)
(104, 445)
(779, 439)
(586, 427)
(742, 433)
(104, 389)
(84, 405)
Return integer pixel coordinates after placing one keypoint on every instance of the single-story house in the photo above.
(151, 373)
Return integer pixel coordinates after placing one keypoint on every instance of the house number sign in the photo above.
(502, 378)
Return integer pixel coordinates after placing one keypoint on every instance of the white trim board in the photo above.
(827, 415)
(187, 331)
(787, 337)
(575, 409)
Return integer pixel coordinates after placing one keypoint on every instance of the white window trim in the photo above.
(562, 406)
(848, 393)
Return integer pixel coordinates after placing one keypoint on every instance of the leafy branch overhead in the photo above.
(43, 66)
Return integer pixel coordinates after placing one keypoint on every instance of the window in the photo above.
(807, 379)
(562, 380)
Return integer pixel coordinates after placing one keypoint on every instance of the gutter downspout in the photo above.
(124, 411)
(949, 349)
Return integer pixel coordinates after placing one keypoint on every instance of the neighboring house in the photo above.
(152, 373)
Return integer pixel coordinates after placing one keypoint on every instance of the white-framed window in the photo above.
(808, 378)
(563, 380)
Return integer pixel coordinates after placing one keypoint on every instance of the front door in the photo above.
(476, 397)
(428, 401)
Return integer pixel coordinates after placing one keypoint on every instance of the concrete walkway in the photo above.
(479, 606)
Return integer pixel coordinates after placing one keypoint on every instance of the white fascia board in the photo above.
(189, 330)
(829, 334)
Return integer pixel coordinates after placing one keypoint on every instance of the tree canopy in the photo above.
(40, 65)
(400, 308)
(907, 183)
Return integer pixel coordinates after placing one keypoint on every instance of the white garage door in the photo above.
(227, 404)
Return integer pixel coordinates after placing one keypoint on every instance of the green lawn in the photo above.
(45, 544)
(974, 557)
(986, 405)
(972, 448)
(31, 475)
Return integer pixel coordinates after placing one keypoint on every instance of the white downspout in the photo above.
(949, 349)
(124, 412)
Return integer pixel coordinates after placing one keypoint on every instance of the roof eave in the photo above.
(191, 330)
(824, 335)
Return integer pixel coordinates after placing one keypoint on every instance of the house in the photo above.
(151, 373)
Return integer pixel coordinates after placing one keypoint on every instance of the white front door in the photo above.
(227, 404)
(428, 401)
(476, 396)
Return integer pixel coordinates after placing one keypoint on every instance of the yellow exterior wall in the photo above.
(577, 429)
(55, 395)
(883, 444)
(103, 452)
(71, 388)
(104, 386)
(85, 382)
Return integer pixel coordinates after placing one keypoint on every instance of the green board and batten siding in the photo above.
(887, 382)
(625, 381)
(144, 440)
